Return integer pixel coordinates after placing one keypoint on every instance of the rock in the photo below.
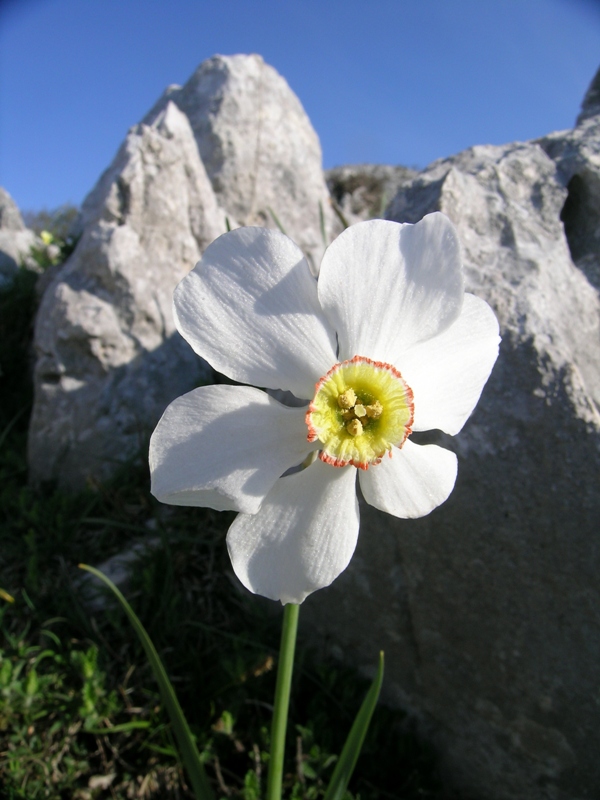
(577, 155)
(118, 569)
(108, 357)
(259, 148)
(489, 609)
(591, 102)
(10, 216)
(363, 191)
(231, 144)
(16, 240)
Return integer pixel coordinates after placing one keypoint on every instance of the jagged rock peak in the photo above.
(591, 102)
(258, 146)
(10, 216)
(108, 357)
(16, 240)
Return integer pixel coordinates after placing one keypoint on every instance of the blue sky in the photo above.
(388, 81)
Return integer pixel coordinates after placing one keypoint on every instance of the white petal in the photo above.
(417, 479)
(250, 308)
(447, 373)
(224, 447)
(386, 286)
(303, 536)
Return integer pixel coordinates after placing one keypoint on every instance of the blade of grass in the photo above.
(187, 746)
(276, 220)
(347, 760)
(340, 214)
(383, 205)
(113, 523)
(122, 728)
(322, 224)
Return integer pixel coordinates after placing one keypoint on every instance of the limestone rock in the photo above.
(108, 357)
(363, 191)
(231, 144)
(489, 609)
(591, 102)
(15, 239)
(577, 155)
(258, 146)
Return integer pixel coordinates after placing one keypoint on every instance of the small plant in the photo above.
(80, 716)
(53, 250)
(58, 221)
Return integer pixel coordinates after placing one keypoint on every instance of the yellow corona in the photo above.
(361, 409)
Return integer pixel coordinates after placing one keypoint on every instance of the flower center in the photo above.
(360, 410)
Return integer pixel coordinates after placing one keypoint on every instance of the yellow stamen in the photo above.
(375, 410)
(347, 399)
(354, 427)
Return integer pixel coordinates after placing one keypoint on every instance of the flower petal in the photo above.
(447, 373)
(250, 308)
(224, 447)
(386, 286)
(417, 479)
(303, 536)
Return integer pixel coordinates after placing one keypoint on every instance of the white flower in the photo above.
(385, 343)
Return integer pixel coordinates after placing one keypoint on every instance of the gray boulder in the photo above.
(489, 609)
(577, 156)
(108, 357)
(16, 240)
(363, 191)
(591, 102)
(259, 148)
(231, 144)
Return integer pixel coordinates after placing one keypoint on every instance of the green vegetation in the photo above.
(80, 714)
(57, 221)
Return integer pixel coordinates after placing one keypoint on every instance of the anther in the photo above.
(347, 399)
(375, 410)
(354, 427)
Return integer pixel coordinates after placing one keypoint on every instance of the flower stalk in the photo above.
(282, 699)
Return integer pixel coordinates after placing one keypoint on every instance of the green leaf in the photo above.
(347, 761)
(187, 746)
(32, 683)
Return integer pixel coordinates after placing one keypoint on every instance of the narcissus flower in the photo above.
(385, 343)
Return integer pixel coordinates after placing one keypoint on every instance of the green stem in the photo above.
(282, 699)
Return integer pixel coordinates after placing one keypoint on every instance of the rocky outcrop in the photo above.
(16, 240)
(363, 191)
(489, 609)
(259, 148)
(591, 102)
(108, 357)
(234, 143)
(577, 156)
